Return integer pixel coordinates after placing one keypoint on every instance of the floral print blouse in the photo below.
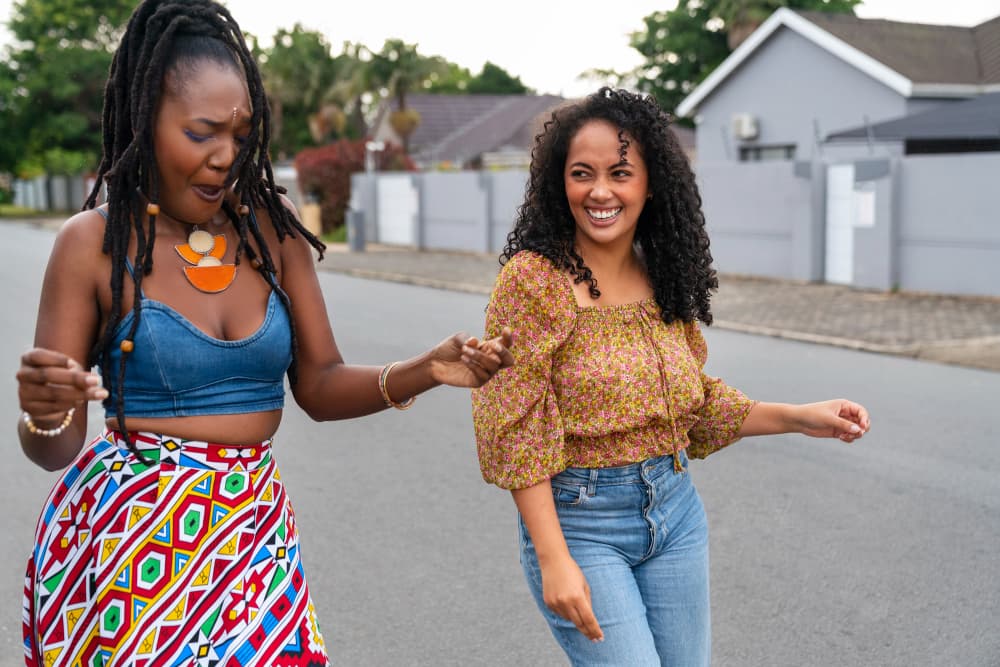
(592, 386)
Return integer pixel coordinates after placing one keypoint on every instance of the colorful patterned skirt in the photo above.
(189, 559)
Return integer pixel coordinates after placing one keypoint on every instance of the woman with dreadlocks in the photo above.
(170, 539)
(605, 275)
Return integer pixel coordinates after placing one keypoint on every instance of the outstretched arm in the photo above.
(838, 418)
(328, 388)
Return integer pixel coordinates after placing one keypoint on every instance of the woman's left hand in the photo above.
(838, 418)
(463, 361)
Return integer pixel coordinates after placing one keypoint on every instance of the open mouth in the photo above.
(210, 193)
(604, 214)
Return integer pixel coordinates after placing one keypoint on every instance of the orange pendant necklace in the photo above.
(204, 253)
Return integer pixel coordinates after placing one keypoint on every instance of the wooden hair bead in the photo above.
(256, 263)
(244, 210)
(126, 346)
(152, 209)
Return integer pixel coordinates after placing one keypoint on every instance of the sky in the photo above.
(547, 43)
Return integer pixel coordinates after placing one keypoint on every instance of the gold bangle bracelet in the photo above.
(47, 432)
(382, 377)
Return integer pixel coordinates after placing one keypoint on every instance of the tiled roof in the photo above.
(921, 52)
(987, 38)
(459, 128)
(913, 59)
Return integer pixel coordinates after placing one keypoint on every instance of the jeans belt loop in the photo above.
(592, 484)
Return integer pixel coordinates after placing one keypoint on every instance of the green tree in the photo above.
(682, 46)
(355, 87)
(52, 80)
(495, 80)
(399, 70)
(299, 74)
(12, 145)
(448, 79)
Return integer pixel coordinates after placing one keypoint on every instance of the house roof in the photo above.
(914, 59)
(462, 127)
(978, 118)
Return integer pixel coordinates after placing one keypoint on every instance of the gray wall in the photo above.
(876, 264)
(758, 216)
(508, 194)
(453, 211)
(932, 222)
(949, 224)
(921, 104)
(52, 193)
(461, 210)
(787, 84)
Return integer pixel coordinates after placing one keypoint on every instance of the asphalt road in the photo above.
(880, 553)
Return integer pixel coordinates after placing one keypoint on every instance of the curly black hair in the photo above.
(671, 228)
(175, 37)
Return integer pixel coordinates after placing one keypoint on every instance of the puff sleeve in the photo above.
(724, 409)
(519, 432)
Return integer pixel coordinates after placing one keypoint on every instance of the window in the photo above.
(762, 153)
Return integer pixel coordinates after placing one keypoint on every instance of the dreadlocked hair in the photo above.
(176, 37)
(671, 228)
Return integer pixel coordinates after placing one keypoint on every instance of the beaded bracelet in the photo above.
(382, 376)
(47, 432)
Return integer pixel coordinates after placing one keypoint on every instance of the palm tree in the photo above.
(355, 82)
(400, 69)
(298, 73)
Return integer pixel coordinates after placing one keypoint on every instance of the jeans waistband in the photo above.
(627, 474)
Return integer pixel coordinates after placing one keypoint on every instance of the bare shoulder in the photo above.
(82, 236)
(290, 205)
(289, 251)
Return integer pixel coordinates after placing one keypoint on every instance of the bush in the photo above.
(325, 174)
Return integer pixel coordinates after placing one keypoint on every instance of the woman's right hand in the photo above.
(49, 383)
(565, 591)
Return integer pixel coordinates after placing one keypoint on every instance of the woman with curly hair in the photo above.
(170, 538)
(604, 278)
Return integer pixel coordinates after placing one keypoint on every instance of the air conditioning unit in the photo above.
(745, 126)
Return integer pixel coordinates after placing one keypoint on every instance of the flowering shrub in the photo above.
(325, 174)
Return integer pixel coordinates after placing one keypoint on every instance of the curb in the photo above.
(419, 281)
(910, 350)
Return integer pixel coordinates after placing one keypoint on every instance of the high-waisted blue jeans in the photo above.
(640, 536)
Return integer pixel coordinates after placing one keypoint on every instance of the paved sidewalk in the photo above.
(947, 329)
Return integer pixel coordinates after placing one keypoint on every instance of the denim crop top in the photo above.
(177, 370)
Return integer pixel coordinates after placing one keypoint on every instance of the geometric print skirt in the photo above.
(189, 558)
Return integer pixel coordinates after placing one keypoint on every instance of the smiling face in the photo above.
(606, 191)
(204, 117)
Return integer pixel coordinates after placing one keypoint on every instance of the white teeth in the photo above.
(604, 215)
